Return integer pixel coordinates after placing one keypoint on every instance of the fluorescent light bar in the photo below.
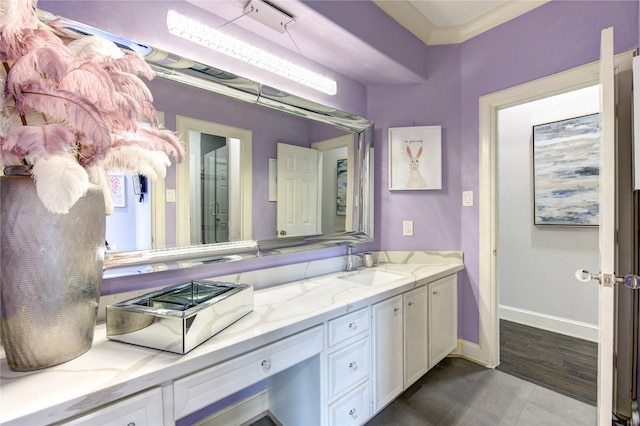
(204, 35)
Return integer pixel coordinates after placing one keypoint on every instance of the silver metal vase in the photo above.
(50, 276)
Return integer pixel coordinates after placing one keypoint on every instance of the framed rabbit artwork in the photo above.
(415, 158)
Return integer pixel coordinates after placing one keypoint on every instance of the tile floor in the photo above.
(460, 392)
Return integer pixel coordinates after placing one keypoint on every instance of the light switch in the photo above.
(407, 228)
(170, 195)
(467, 198)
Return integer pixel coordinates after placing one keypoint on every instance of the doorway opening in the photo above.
(214, 187)
(488, 348)
(547, 186)
(214, 178)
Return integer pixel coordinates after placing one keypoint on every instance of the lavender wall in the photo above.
(552, 38)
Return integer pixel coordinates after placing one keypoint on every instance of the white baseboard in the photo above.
(240, 413)
(471, 352)
(559, 325)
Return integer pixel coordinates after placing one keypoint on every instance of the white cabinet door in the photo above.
(443, 318)
(388, 351)
(415, 335)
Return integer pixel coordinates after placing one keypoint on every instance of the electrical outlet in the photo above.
(170, 195)
(407, 228)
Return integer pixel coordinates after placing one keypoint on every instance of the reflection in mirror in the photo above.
(213, 203)
(188, 90)
(315, 188)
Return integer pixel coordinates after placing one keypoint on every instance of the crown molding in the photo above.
(488, 20)
(407, 15)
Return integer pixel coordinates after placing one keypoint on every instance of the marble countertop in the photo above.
(112, 370)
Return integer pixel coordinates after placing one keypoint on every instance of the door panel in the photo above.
(297, 191)
(607, 228)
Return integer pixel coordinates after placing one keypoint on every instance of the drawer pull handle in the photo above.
(353, 365)
(131, 424)
(353, 413)
(266, 365)
(353, 326)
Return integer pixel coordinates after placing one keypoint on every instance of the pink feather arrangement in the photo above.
(71, 109)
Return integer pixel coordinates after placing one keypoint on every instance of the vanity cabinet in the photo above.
(400, 344)
(443, 318)
(142, 409)
(411, 333)
(347, 366)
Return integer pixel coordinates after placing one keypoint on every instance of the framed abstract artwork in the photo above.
(415, 158)
(566, 172)
(341, 188)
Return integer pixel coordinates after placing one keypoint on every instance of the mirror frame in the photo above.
(173, 67)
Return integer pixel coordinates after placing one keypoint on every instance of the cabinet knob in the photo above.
(266, 365)
(435, 293)
(396, 311)
(353, 413)
(353, 366)
(353, 326)
(411, 304)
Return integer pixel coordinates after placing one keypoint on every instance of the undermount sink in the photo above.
(371, 277)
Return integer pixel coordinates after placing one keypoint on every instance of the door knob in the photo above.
(608, 280)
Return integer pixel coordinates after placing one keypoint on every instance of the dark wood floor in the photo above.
(564, 364)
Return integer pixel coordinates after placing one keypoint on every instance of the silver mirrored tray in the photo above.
(180, 317)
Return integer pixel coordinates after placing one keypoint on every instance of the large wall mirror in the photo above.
(241, 192)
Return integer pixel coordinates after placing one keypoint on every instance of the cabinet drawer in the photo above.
(353, 409)
(348, 366)
(347, 326)
(206, 387)
(142, 409)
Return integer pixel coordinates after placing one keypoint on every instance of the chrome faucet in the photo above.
(349, 258)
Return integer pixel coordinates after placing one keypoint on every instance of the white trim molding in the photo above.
(407, 15)
(573, 79)
(576, 78)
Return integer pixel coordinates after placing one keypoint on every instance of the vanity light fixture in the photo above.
(195, 31)
(270, 15)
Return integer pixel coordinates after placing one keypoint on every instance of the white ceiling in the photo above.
(443, 13)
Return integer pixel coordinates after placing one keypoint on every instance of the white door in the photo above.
(607, 227)
(297, 191)
(607, 231)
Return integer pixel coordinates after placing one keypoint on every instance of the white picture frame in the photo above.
(415, 158)
(118, 193)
